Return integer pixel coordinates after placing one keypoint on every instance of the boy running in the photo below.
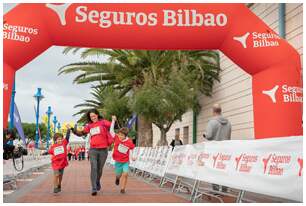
(122, 147)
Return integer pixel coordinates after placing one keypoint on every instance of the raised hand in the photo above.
(68, 126)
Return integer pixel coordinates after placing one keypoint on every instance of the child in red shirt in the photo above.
(122, 147)
(59, 161)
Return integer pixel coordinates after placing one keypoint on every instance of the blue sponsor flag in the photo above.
(17, 124)
(131, 121)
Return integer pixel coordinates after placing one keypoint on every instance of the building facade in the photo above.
(234, 91)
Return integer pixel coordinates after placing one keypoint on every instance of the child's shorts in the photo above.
(121, 167)
(59, 172)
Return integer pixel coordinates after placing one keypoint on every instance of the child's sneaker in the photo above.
(117, 182)
(56, 190)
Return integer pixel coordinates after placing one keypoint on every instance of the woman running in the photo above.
(98, 128)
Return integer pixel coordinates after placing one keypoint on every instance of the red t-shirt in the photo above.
(122, 149)
(98, 133)
(59, 155)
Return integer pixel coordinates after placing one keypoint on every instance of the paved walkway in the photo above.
(76, 188)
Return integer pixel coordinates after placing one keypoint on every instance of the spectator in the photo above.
(176, 141)
(83, 152)
(8, 147)
(69, 153)
(218, 129)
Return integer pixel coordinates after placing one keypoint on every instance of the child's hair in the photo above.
(57, 135)
(124, 130)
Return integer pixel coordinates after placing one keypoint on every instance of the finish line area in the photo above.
(35, 185)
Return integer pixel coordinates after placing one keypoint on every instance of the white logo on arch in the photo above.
(242, 39)
(60, 10)
(271, 93)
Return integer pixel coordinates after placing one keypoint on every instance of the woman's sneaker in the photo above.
(98, 186)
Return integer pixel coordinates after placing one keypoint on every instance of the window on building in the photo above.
(177, 132)
(186, 135)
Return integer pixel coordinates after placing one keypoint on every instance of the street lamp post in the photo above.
(49, 112)
(54, 123)
(38, 96)
(11, 125)
(58, 126)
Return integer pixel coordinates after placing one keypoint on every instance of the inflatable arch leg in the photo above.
(277, 101)
(8, 79)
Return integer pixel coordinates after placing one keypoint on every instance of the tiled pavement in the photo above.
(76, 188)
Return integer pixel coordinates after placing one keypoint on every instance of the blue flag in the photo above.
(131, 121)
(17, 124)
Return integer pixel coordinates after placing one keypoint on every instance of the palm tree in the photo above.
(96, 103)
(128, 70)
(163, 104)
(108, 102)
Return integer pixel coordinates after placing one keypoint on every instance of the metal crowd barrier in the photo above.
(197, 189)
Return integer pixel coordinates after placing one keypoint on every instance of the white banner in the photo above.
(158, 160)
(269, 166)
(182, 161)
(134, 153)
(153, 160)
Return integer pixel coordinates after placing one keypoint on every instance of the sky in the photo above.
(59, 91)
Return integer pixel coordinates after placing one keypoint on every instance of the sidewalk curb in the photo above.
(13, 197)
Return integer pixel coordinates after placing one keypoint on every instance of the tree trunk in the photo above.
(163, 138)
(144, 132)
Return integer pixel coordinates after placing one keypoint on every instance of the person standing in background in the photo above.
(218, 129)
(176, 141)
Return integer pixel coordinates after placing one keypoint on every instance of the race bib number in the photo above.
(94, 131)
(59, 150)
(122, 149)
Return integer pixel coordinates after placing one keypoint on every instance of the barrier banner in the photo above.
(182, 160)
(134, 153)
(162, 160)
(148, 161)
(141, 158)
(153, 160)
(270, 166)
(159, 160)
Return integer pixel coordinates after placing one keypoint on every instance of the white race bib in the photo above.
(122, 148)
(95, 131)
(59, 150)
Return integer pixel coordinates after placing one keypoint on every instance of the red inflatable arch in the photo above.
(30, 29)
